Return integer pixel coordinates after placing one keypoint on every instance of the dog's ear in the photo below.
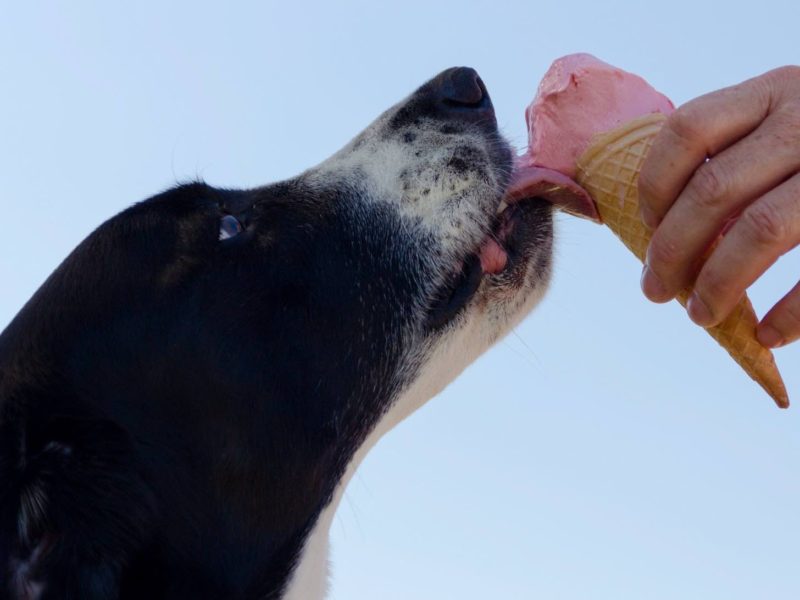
(74, 511)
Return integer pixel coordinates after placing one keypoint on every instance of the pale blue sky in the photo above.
(608, 448)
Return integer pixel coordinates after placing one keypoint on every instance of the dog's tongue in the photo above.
(492, 256)
(533, 181)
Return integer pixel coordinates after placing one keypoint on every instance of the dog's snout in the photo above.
(457, 94)
(461, 86)
(461, 92)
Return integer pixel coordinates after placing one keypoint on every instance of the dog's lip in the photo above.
(493, 256)
(492, 253)
(530, 180)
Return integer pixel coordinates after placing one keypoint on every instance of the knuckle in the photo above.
(685, 123)
(782, 84)
(788, 121)
(764, 224)
(708, 185)
(787, 73)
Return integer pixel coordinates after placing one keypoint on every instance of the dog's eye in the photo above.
(229, 227)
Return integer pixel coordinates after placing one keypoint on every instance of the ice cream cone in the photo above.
(609, 170)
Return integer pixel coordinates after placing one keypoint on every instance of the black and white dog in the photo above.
(184, 400)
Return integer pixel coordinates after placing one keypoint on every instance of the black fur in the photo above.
(176, 410)
(154, 324)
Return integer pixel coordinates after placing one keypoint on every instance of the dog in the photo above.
(184, 400)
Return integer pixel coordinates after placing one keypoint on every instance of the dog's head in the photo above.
(425, 187)
(344, 281)
(268, 333)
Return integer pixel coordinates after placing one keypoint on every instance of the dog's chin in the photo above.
(509, 265)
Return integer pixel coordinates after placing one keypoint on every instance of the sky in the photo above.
(607, 448)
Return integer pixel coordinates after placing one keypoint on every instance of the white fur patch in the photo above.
(418, 181)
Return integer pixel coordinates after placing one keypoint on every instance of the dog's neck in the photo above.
(309, 580)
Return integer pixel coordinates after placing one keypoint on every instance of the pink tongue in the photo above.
(531, 181)
(493, 257)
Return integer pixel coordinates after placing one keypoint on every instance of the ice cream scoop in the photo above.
(579, 97)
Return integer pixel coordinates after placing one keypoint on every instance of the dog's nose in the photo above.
(461, 92)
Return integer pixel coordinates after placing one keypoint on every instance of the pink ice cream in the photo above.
(579, 97)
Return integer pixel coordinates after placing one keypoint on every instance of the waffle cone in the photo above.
(609, 171)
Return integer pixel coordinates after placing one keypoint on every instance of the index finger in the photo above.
(694, 132)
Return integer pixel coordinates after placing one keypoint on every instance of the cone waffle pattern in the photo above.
(609, 171)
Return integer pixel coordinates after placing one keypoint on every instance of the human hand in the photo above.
(751, 133)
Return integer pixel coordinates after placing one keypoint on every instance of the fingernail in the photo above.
(698, 311)
(652, 286)
(769, 337)
(649, 218)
